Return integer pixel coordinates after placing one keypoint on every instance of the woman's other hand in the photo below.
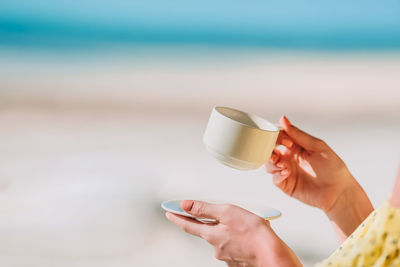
(240, 238)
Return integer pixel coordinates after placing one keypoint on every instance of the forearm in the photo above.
(350, 210)
(395, 199)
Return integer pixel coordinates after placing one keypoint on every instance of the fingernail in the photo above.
(286, 118)
(284, 172)
(168, 215)
(187, 205)
(287, 142)
(284, 123)
(280, 165)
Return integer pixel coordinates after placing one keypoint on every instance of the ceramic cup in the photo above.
(240, 140)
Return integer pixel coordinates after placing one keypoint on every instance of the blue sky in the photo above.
(285, 24)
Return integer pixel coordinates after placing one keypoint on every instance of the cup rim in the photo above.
(248, 114)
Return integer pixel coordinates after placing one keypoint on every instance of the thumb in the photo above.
(202, 209)
(300, 137)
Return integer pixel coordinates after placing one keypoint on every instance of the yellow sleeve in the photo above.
(374, 243)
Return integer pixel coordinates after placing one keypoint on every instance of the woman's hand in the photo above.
(310, 171)
(240, 238)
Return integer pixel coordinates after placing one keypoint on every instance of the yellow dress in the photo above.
(374, 243)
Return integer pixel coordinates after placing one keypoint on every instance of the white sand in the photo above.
(88, 154)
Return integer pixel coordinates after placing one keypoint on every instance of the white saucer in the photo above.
(266, 213)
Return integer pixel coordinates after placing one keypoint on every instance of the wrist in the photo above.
(350, 209)
(272, 251)
(264, 241)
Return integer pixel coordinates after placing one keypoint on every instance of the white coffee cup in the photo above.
(240, 140)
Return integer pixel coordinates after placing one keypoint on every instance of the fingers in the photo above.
(203, 209)
(279, 169)
(276, 156)
(284, 139)
(301, 138)
(277, 163)
(189, 225)
(272, 168)
(279, 177)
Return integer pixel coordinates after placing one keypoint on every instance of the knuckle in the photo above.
(227, 209)
(218, 254)
(198, 208)
(207, 237)
(294, 129)
(321, 143)
(185, 227)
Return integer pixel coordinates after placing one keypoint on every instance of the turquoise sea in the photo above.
(308, 25)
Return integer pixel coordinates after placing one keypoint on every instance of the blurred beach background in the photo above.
(103, 105)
